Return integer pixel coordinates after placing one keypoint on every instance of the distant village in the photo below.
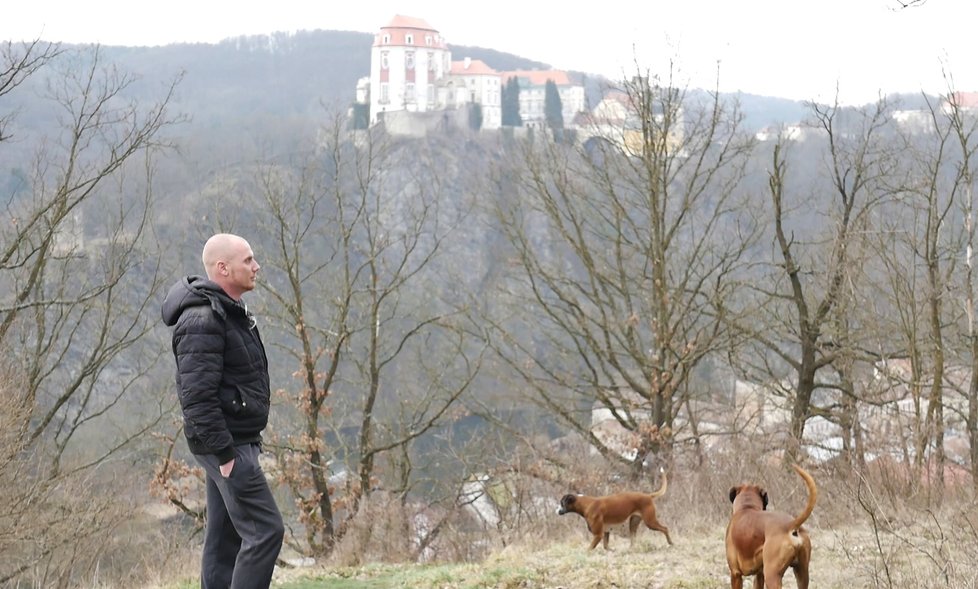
(415, 87)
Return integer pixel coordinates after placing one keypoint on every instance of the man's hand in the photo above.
(226, 468)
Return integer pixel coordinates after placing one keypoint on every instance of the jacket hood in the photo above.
(193, 291)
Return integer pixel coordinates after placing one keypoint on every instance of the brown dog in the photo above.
(765, 543)
(613, 510)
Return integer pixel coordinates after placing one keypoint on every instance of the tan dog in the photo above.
(765, 543)
(601, 513)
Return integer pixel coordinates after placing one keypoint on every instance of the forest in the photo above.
(464, 327)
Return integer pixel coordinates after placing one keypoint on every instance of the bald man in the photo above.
(222, 381)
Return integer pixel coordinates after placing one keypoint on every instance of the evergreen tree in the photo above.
(510, 99)
(552, 107)
(475, 116)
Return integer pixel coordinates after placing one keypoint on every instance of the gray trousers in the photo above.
(244, 531)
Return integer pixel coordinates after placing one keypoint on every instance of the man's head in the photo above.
(229, 261)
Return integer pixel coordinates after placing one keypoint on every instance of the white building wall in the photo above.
(533, 104)
(572, 101)
(485, 90)
(395, 94)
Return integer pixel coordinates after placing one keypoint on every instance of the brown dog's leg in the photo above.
(633, 523)
(661, 528)
(801, 575)
(736, 581)
(771, 580)
(653, 524)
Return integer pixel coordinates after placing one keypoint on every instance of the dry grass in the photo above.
(842, 559)
(865, 533)
(869, 529)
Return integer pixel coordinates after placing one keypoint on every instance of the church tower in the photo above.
(407, 60)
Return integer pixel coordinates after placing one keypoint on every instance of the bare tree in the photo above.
(944, 171)
(625, 253)
(74, 306)
(801, 324)
(963, 128)
(350, 277)
(18, 62)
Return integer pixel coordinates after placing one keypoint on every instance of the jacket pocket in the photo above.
(249, 401)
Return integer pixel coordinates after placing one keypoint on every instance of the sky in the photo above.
(852, 50)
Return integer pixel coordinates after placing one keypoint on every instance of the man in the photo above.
(222, 380)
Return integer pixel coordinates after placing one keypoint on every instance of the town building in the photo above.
(533, 84)
(472, 81)
(408, 60)
(616, 120)
(415, 87)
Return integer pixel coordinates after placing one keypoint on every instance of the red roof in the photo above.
(964, 99)
(472, 67)
(400, 28)
(539, 77)
(409, 22)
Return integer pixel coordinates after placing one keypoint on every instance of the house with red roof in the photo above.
(414, 84)
(408, 60)
(533, 84)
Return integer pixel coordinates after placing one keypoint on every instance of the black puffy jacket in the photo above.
(222, 369)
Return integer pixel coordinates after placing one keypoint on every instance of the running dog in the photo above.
(601, 513)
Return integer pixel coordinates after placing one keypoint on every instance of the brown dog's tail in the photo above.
(812, 495)
(665, 485)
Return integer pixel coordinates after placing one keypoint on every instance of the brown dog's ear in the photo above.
(764, 498)
(733, 493)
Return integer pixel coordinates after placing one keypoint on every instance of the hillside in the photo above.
(284, 74)
(290, 75)
(430, 252)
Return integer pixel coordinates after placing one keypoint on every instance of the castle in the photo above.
(414, 86)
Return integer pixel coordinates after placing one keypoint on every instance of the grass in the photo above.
(842, 559)
(460, 576)
(649, 563)
(906, 543)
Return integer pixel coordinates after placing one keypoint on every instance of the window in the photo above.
(431, 94)
(409, 93)
(387, 40)
(409, 39)
(427, 39)
(409, 60)
(384, 60)
(384, 94)
(431, 61)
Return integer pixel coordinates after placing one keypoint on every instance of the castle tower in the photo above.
(407, 59)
